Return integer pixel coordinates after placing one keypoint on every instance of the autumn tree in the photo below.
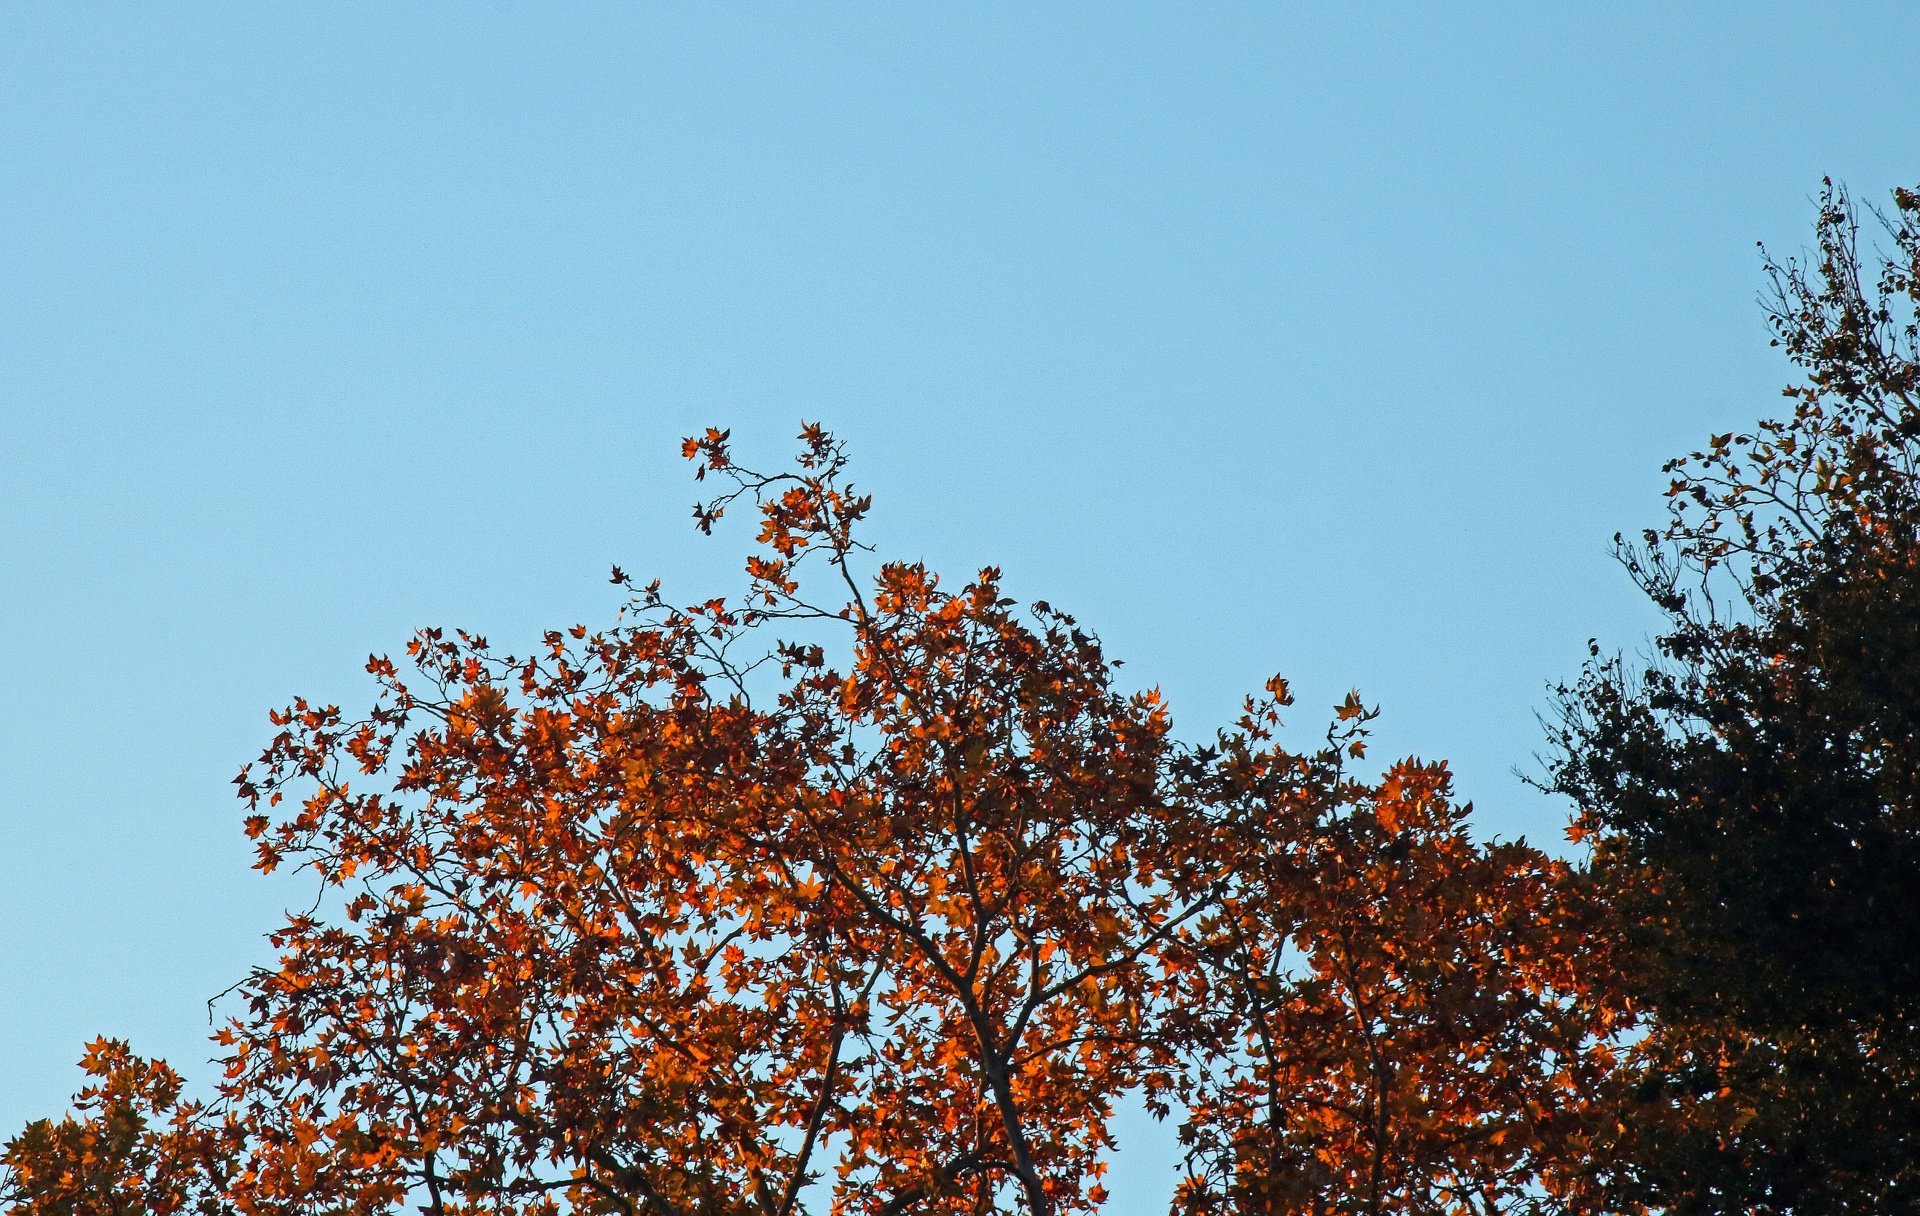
(864, 886)
(1754, 790)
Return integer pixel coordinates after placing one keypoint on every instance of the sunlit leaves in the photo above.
(872, 886)
(132, 1147)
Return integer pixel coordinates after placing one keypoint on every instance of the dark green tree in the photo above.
(1752, 788)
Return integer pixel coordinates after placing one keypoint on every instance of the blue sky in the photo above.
(1332, 340)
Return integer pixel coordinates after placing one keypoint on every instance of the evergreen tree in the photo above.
(1753, 789)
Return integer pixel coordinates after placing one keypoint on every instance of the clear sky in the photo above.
(1333, 340)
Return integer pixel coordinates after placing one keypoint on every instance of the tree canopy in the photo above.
(873, 893)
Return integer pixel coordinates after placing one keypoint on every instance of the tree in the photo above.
(866, 884)
(1754, 790)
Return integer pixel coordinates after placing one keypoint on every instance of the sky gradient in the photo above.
(1264, 339)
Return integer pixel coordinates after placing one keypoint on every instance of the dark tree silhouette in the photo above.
(1754, 790)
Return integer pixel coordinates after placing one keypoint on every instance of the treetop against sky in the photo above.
(1257, 341)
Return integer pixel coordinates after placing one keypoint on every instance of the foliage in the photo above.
(1755, 790)
(871, 888)
(1391, 1017)
(135, 1149)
